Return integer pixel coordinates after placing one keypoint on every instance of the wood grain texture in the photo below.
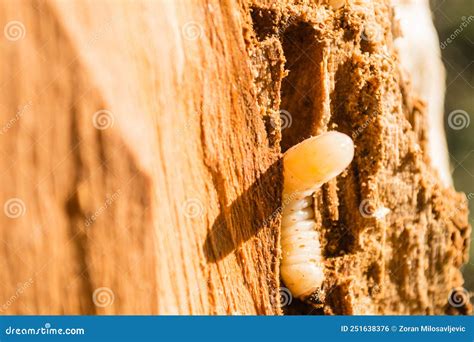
(165, 207)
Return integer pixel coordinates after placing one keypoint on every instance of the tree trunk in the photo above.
(140, 158)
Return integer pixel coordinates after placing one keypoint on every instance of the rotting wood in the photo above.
(395, 233)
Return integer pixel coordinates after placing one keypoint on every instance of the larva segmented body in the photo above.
(306, 167)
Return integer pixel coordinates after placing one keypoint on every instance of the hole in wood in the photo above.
(302, 95)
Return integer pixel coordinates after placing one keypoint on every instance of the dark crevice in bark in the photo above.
(301, 90)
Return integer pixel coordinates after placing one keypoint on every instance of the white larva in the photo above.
(306, 167)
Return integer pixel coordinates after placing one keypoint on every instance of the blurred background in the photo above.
(454, 21)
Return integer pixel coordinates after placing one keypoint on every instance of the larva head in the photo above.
(316, 160)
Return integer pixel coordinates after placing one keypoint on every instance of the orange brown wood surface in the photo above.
(140, 159)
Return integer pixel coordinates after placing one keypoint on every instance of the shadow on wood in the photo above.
(230, 230)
